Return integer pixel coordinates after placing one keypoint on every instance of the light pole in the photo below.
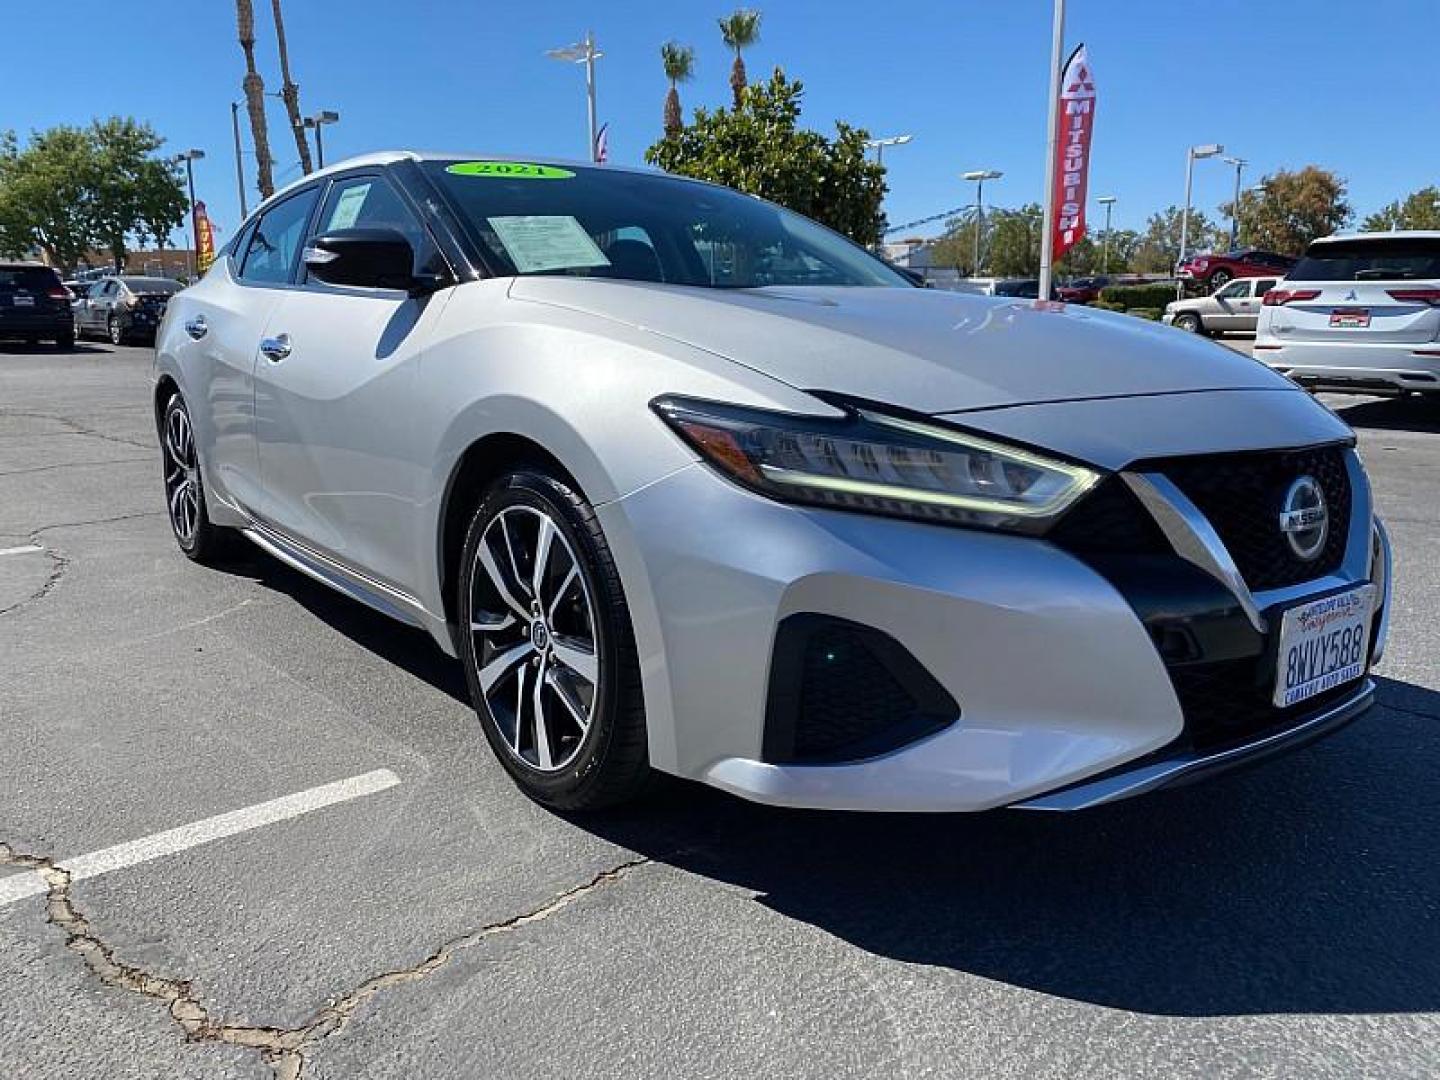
(1239, 164)
(1052, 139)
(980, 176)
(189, 157)
(1195, 152)
(318, 121)
(239, 167)
(878, 145)
(583, 52)
(1108, 202)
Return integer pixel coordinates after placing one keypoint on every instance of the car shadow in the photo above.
(1309, 884)
(19, 348)
(1392, 414)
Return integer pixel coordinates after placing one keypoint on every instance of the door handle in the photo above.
(275, 348)
(197, 328)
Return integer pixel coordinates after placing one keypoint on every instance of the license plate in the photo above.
(1323, 644)
(23, 301)
(1350, 318)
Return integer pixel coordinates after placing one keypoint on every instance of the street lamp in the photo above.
(189, 157)
(318, 121)
(1239, 164)
(583, 52)
(878, 145)
(1191, 156)
(239, 167)
(1108, 202)
(980, 176)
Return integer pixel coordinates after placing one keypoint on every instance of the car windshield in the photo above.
(594, 222)
(30, 278)
(1370, 259)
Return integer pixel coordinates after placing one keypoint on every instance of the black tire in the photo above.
(116, 332)
(1189, 322)
(610, 762)
(204, 542)
(65, 341)
(1219, 279)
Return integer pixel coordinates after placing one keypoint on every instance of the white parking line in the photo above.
(173, 841)
(25, 550)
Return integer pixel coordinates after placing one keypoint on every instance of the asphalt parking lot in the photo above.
(289, 850)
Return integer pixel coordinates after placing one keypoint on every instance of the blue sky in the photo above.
(1351, 86)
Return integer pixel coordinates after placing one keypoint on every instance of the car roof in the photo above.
(23, 264)
(1386, 234)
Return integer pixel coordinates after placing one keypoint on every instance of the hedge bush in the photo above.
(1153, 314)
(1105, 305)
(1139, 296)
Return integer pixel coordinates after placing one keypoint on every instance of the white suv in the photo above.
(1359, 314)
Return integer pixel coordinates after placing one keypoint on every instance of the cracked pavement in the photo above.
(1281, 922)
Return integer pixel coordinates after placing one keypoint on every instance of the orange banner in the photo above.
(204, 240)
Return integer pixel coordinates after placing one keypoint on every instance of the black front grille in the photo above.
(1230, 701)
(1109, 521)
(841, 691)
(1242, 494)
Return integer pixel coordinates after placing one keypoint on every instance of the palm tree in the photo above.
(289, 91)
(740, 31)
(255, 98)
(679, 61)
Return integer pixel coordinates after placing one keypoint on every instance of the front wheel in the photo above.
(1188, 321)
(548, 649)
(116, 332)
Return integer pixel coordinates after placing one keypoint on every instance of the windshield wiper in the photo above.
(1383, 273)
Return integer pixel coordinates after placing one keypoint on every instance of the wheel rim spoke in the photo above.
(534, 638)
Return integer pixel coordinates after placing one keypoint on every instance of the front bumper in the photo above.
(1353, 367)
(1057, 680)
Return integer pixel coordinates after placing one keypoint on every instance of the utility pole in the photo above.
(1047, 233)
(189, 157)
(1191, 156)
(1239, 164)
(583, 52)
(1107, 201)
(239, 167)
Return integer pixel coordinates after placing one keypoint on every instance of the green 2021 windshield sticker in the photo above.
(509, 170)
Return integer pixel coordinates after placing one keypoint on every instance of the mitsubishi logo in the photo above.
(1304, 518)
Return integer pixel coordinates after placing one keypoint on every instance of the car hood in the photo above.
(920, 349)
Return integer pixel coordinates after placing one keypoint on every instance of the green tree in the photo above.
(679, 61)
(71, 190)
(1157, 250)
(1419, 210)
(1292, 208)
(740, 30)
(759, 148)
(1012, 241)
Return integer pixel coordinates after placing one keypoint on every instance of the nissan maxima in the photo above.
(690, 484)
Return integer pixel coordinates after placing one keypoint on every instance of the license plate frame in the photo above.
(22, 300)
(1322, 644)
(1350, 318)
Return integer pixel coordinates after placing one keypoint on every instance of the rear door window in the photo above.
(27, 279)
(275, 244)
(1370, 259)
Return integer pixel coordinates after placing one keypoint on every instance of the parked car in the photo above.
(1359, 313)
(1085, 290)
(1233, 307)
(689, 483)
(124, 309)
(1215, 270)
(34, 305)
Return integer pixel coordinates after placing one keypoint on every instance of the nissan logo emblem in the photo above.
(1304, 519)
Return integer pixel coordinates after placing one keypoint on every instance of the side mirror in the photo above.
(364, 258)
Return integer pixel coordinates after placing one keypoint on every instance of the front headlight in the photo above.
(878, 463)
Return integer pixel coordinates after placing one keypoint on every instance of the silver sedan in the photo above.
(690, 484)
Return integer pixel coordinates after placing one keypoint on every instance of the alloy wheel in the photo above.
(536, 651)
(182, 476)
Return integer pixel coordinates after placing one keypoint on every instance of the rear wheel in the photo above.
(548, 648)
(116, 332)
(184, 491)
(1189, 322)
(65, 341)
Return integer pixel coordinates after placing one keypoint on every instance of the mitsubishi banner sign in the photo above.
(1072, 163)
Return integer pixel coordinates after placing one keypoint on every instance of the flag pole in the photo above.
(1047, 234)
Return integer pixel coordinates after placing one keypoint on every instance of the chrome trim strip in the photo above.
(1382, 580)
(1192, 536)
(328, 571)
(1186, 765)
